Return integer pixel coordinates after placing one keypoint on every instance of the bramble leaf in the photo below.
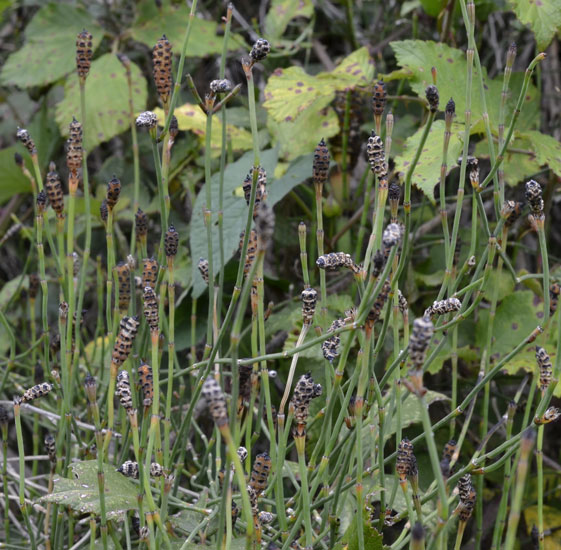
(542, 16)
(427, 172)
(82, 492)
(107, 100)
(172, 21)
(547, 150)
(416, 57)
(49, 51)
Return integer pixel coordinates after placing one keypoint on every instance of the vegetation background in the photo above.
(317, 82)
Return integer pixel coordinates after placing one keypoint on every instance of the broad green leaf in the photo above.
(302, 135)
(81, 492)
(427, 171)
(107, 100)
(49, 51)
(517, 166)
(372, 538)
(235, 215)
(410, 413)
(235, 208)
(417, 57)
(432, 7)
(289, 92)
(547, 150)
(551, 520)
(12, 181)
(191, 118)
(281, 12)
(172, 21)
(542, 16)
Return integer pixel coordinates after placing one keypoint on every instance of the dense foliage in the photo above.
(280, 274)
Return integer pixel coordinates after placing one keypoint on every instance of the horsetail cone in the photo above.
(123, 272)
(141, 224)
(84, 53)
(431, 93)
(113, 192)
(37, 391)
(212, 392)
(449, 112)
(34, 283)
(534, 198)
(442, 307)
(103, 211)
(379, 98)
(221, 86)
(151, 309)
(260, 50)
(309, 301)
(554, 292)
(128, 328)
(511, 211)
(149, 272)
(123, 390)
(423, 330)
(545, 368)
(53, 187)
(203, 269)
(171, 242)
(90, 387)
(405, 458)
(337, 260)
(74, 147)
(304, 392)
(320, 170)
(330, 346)
(161, 59)
(260, 473)
(50, 448)
(23, 135)
(264, 225)
(147, 119)
(377, 156)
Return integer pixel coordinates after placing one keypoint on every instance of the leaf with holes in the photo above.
(107, 100)
(81, 493)
(290, 92)
(172, 21)
(542, 16)
(191, 118)
(49, 52)
(282, 12)
(427, 171)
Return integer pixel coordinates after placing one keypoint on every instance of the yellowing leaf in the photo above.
(282, 12)
(542, 16)
(357, 69)
(551, 520)
(191, 118)
(427, 172)
(289, 92)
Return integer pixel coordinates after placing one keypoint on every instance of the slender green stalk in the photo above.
(526, 445)
(21, 454)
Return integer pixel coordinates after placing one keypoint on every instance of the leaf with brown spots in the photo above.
(427, 171)
(301, 135)
(49, 51)
(282, 12)
(289, 92)
(107, 100)
(542, 16)
(191, 118)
